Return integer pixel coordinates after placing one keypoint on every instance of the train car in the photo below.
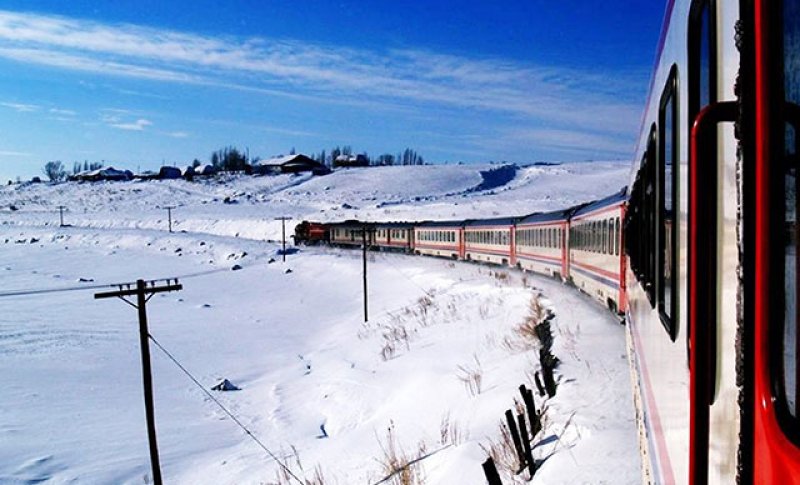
(350, 233)
(541, 243)
(712, 237)
(490, 240)
(440, 238)
(311, 233)
(397, 236)
(596, 262)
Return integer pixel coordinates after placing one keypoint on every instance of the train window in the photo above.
(616, 237)
(668, 190)
(702, 60)
(650, 215)
(788, 353)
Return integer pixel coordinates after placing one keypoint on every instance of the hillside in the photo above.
(429, 376)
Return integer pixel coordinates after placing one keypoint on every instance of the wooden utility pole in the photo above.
(61, 215)
(283, 220)
(169, 216)
(365, 232)
(143, 293)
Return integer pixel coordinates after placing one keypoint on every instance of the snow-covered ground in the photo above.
(319, 387)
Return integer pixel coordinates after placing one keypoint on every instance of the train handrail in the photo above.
(702, 284)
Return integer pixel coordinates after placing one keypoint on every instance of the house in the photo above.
(204, 171)
(169, 173)
(103, 174)
(289, 164)
(351, 161)
(188, 172)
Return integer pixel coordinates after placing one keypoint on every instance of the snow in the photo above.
(319, 387)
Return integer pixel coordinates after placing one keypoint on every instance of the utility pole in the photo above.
(143, 293)
(61, 215)
(169, 215)
(283, 220)
(365, 232)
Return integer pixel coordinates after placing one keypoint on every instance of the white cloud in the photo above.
(606, 104)
(62, 112)
(178, 134)
(11, 153)
(138, 125)
(21, 108)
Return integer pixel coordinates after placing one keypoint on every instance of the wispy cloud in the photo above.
(20, 107)
(12, 153)
(177, 134)
(605, 104)
(62, 112)
(138, 125)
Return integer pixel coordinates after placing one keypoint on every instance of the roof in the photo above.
(276, 161)
(395, 224)
(542, 217)
(426, 224)
(614, 199)
(497, 221)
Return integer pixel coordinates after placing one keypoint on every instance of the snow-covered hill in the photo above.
(319, 387)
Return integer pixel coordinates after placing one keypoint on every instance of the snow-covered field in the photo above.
(319, 387)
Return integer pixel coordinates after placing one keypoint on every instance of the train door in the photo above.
(777, 341)
(714, 245)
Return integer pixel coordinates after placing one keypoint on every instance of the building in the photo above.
(103, 174)
(289, 164)
(351, 161)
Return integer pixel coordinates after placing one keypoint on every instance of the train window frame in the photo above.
(670, 98)
(789, 422)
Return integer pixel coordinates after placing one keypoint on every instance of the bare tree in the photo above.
(55, 171)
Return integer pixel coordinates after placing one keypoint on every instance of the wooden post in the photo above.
(512, 427)
(526, 443)
(364, 254)
(533, 416)
(143, 293)
(147, 378)
(490, 470)
(61, 215)
(169, 216)
(283, 234)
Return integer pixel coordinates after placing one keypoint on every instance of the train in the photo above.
(581, 245)
(698, 256)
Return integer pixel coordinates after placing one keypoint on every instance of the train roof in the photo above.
(614, 199)
(442, 223)
(394, 224)
(350, 222)
(553, 216)
(496, 221)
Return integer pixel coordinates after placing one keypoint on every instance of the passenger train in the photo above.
(699, 255)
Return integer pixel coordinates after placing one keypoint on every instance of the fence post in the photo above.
(512, 427)
(530, 405)
(490, 470)
(527, 444)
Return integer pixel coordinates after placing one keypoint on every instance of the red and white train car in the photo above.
(712, 238)
(397, 236)
(541, 244)
(490, 240)
(440, 238)
(351, 233)
(596, 265)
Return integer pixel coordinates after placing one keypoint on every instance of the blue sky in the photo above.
(138, 84)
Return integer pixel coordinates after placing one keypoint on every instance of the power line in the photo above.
(221, 406)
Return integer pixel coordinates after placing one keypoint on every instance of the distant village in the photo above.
(228, 160)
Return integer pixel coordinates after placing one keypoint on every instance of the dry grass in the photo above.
(472, 376)
(450, 433)
(525, 336)
(283, 477)
(398, 467)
